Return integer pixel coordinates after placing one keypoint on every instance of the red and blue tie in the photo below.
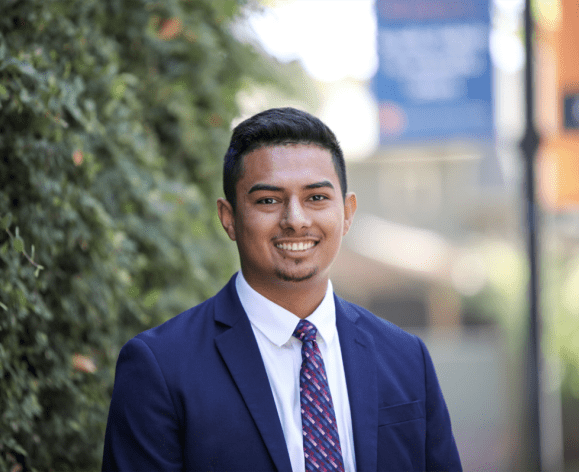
(322, 450)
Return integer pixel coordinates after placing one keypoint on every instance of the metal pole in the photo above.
(529, 146)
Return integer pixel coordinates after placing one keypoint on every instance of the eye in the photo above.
(318, 198)
(267, 201)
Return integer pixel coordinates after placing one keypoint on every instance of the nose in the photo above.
(295, 216)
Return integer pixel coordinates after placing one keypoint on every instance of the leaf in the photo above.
(37, 271)
(18, 244)
(3, 92)
(118, 88)
(6, 219)
(20, 297)
(151, 298)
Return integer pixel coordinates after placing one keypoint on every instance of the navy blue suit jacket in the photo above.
(193, 394)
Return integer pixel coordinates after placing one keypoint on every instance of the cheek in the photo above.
(264, 220)
(257, 226)
(333, 220)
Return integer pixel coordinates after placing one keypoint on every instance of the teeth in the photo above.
(295, 246)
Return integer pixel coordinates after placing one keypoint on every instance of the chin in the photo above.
(287, 276)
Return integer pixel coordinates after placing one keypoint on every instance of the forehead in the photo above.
(301, 162)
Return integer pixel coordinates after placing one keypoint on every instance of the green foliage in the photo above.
(505, 300)
(560, 315)
(114, 116)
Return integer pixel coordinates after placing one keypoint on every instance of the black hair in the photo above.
(278, 126)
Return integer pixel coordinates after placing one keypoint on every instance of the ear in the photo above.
(350, 205)
(225, 212)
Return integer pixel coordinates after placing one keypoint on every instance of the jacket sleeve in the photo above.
(441, 450)
(142, 429)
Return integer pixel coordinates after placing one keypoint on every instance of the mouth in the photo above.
(296, 247)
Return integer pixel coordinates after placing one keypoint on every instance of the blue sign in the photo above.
(434, 76)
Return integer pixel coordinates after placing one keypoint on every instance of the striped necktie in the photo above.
(322, 450)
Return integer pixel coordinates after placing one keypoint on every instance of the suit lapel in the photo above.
(360, 369)
(239, 350)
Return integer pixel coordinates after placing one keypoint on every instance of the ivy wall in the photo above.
(114, 117)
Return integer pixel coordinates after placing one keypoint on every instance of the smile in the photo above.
(295, 246)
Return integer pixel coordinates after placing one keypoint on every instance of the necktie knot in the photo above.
(305, 331)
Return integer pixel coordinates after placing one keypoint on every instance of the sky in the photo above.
(334, 39)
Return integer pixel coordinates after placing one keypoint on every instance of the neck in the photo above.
(299, 298)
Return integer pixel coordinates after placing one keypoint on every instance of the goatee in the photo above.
(286, 277)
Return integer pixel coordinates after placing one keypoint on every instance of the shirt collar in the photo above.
(277, 323)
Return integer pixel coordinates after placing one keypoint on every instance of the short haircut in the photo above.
(273, 127)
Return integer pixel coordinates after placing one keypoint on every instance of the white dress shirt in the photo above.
(273, 327)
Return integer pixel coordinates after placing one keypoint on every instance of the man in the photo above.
(275, 372)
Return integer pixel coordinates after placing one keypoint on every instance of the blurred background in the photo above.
(116, 115)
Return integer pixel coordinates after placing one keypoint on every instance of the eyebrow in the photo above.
(270, 188)
(273, 188)
(322, 184)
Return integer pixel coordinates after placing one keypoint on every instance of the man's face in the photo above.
(290, 216)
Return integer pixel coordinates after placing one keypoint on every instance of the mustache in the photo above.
(293, 234)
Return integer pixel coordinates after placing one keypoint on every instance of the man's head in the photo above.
(286, 208)
(278, 126)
